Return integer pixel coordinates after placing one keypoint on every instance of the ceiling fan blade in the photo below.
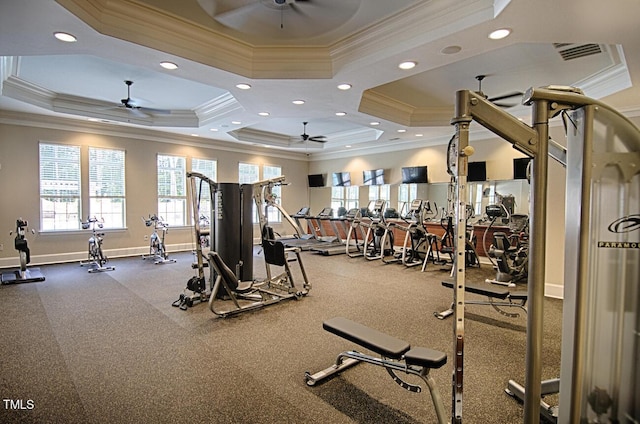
(136, 111)
(507, 96)
(154, 111)
(319, 139)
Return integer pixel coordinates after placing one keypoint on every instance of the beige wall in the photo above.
(20, 189)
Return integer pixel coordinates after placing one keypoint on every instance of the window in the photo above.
(268, 172)
(346, 197)
(107, 186)
(59, 187)
(351, 197)
(406, 193)
(172, 189)
(380, 192)
(248, 174)
(208, 168)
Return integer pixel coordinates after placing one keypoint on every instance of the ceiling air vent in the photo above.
(570, 51)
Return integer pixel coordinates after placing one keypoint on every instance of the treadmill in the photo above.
(338, 247)
(318, 234)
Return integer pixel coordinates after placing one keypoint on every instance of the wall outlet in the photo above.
(1, 247)
(146, 237)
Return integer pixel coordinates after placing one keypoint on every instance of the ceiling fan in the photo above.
(130, 105)
(497, 100)
(306, 137)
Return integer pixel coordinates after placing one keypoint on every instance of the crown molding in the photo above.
(414, 26)
(140, 23)
(27, 92)
(385, 107)
(114, 129)
(218, 108)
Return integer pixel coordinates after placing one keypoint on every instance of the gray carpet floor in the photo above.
(110, 348)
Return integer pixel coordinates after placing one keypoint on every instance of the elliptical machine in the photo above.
(509, 254)
(157, 248)
(376, 245)
(23, 275)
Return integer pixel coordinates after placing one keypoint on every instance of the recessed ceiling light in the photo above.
(93, 119)
(348, 146)
(263, 113)
(213, 129)
(195, 135)
(451, 50)
(374, 123)
(236, 122)
(499, 34)
(419, 135)
(402, 131)
(169, 65)
(341, 113)
(407, 65)
(243, 86)
(298, 102)
(66, 37)
(344, 86)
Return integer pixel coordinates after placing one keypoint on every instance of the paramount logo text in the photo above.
(619, 244)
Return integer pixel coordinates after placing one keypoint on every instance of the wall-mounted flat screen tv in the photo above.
(520, 168)
(316, 180)
(477, 171)
(414, 174)
(373, 177)
(341, 179)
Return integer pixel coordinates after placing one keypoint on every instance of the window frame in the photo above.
(273, 214)
(73, 218)
(180, 189)
(115, 198)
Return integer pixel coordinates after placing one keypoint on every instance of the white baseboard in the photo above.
(82, 256)
(554, 290)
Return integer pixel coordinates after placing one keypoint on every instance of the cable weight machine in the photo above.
(600, 371)
(227, 208)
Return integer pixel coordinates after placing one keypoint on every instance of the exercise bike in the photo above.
(157, 248)
(96, 260)
(23, 275)
(509, 254)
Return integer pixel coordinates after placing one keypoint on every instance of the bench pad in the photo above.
(494, 292)
(425, 357)
(366, 337)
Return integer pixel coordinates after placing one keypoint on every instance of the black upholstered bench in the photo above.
(395, 356)
(498, 296)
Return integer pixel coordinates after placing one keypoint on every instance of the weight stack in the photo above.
(234, 227)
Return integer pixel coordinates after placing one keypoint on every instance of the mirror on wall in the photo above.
(514, 194)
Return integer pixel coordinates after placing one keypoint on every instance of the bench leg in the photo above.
(350, 358)
(342, 363)
(436, 398)
(444, 314)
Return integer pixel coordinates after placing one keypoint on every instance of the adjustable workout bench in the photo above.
(498, 297)
(395, 355)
